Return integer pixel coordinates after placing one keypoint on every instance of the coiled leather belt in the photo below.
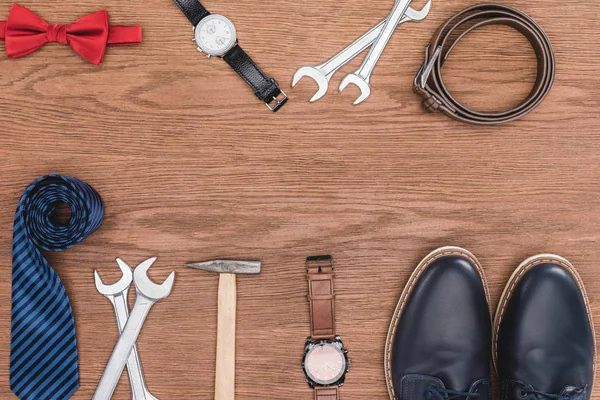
(429, 83)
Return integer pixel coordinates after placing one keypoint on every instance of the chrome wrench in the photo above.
(322, 73)
(362, 76)
(117, 295)
(147, 293)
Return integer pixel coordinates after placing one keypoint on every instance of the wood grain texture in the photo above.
(192, 167)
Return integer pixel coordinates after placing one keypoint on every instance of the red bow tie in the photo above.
(25, 32)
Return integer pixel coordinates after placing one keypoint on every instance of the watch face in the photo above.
(325, 363)
(215, 35)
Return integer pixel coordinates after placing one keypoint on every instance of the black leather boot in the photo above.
(439, 343)
(544, 346)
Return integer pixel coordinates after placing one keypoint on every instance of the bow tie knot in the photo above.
(57, 33)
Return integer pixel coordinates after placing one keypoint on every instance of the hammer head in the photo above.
(228, 266)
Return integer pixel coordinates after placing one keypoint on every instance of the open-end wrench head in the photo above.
(420, 15)
(365, 89)
(317, 75)
(121, 286)
(146, 287)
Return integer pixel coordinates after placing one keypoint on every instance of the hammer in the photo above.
(225, 365)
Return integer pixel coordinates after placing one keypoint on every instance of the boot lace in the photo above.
(532, 394)
(447, 394)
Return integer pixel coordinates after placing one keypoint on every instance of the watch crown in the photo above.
(199, 49)
(208, 56)
(193, 39)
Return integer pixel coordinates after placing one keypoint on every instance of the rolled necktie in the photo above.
(43, 353)
(26, 32)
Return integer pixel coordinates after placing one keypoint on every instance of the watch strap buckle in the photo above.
(326, 260)
(279, 100)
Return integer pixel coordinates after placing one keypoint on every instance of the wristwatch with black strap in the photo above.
(216, 36)
(325, 361)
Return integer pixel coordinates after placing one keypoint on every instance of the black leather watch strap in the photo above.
(265, 88)
(193, 10)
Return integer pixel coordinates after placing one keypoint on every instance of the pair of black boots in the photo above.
(441, 336)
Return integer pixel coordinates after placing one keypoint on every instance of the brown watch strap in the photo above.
(327, 393)
(319, 271)
(430, 85)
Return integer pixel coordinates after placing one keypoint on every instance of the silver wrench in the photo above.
(362, 76)
(322, 73)
(117, 295)
(147, 293)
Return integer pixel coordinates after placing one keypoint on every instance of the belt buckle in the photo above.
(427, 67)
(278, 102)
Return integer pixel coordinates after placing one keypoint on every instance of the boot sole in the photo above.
(408, 289)
(514, 280)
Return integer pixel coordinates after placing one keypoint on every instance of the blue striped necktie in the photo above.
(43, 350)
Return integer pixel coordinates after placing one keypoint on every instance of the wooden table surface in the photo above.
(192, 167)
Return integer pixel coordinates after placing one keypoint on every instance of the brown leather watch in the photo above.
(325, 362)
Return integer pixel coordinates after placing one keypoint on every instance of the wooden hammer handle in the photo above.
(225, 365)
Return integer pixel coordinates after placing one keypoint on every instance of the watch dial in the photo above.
(325, 363)
(215, 35)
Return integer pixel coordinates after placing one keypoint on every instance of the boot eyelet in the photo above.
(523, 394)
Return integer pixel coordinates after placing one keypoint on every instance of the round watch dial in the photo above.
(325, 363)
(215, 35)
